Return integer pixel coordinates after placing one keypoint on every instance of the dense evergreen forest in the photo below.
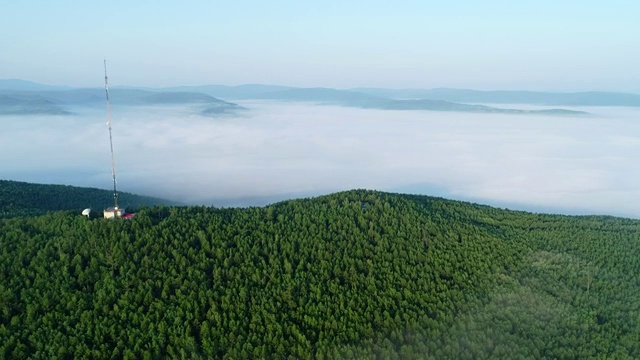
(20, 198)
(358, 274)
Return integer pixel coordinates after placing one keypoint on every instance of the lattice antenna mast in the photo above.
(113, 161)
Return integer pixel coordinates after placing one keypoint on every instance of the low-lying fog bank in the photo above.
(278, 150)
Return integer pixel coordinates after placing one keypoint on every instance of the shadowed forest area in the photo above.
(19, 198)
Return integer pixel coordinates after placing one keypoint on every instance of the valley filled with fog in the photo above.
(277, 150)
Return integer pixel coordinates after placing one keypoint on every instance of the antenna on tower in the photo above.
(113, 161)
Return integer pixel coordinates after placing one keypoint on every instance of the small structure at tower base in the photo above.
(113, 213)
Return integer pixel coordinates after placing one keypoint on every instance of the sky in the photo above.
(567, 45)
(276, 151)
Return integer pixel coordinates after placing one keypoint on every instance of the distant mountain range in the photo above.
(25, 97)
(588, 98)
(358, 99)
(60, 102)
(24, 85)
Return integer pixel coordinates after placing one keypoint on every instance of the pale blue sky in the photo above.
(538, 45)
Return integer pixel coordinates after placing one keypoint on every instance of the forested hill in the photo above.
(358, 274)
(22, 198)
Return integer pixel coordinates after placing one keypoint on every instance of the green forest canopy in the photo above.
(402, 277)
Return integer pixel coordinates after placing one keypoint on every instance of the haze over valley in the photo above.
(307, 142)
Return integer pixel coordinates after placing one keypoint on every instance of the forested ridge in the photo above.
(358, 274)
(19, 198)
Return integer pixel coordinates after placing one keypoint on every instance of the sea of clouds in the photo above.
(275, 151)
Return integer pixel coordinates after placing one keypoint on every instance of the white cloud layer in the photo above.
(275, 151)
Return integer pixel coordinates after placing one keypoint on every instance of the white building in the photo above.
(113, 212)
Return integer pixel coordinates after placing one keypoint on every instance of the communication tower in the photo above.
(115, 211)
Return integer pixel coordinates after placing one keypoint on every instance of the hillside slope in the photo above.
(359, 274)
(21, 198)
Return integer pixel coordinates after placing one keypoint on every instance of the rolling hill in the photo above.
(240, 92)
(438, 99)
(585, 98)
(20, 198)
(24, 97)
(17, 105)
(361, 100)
(62, 101)
(354, 98)
(358, 274)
